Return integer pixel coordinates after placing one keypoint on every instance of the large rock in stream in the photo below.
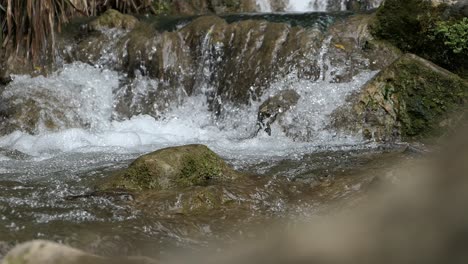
(191, 181)
(412, 98)
(173, 168)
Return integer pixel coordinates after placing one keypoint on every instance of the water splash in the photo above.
(78, 95)
(190, 122)
(312, 5)
(263, 6)
(307, 5)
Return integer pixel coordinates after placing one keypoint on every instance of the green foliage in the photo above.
(162, 6)
(455, 34)
(417, 27)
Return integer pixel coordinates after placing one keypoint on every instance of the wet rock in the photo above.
(354, 49)
(5, 77)
(13, 154)
(201, 57)
(360, 5)
(192, 7)
(34, 110)
(171, 168)
(412, 98)
(44, 252)
(113, 19)
(274, 107)
(4, 248)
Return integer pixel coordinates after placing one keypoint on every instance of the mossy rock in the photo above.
(412, 98)
(171, 168)
(113, 19)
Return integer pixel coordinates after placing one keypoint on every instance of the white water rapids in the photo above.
(311, 5)
(87, 92)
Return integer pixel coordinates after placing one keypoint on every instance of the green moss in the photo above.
(176, 167)
(113, 19)
(423, 95)
(428, 96)
(138, 177)
(199, 170)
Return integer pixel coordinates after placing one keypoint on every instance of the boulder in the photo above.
(353, 49)
(274, 107)
(113, 19)
(412, 98)
(172, 168)
(45, 252)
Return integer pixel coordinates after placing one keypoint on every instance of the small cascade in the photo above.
(263, 6)
(323, 62)
(203, 83)
(314, 5)
(307, 5)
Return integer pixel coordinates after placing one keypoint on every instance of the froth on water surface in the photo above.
(81, 104)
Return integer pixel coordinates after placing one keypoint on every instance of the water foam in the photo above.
(91, 90)
(311, 5)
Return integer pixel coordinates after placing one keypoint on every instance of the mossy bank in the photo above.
(413, 98)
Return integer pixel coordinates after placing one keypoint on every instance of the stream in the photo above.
(47, 177)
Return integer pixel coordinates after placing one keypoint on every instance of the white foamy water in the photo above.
(263, 6)
(85, 92)
(310, 5)
(307, 5)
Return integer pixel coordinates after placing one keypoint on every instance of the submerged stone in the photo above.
(412, 98)
(174, 167)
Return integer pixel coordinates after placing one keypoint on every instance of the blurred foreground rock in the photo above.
(44, 252)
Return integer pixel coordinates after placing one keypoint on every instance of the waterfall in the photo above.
(312, 5)
(263, 5)
(307, 5)
(203, 83)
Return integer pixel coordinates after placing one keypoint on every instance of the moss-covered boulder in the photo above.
(414, 27)
(113, 19)
(171, 168)
(412, 98)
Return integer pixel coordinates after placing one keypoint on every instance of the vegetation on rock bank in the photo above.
(436, 33)
(412, 98)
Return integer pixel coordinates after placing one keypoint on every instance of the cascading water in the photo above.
(71, 130)
(312, 5)
(263, 5)
(307, 5)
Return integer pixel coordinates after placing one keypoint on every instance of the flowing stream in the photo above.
(45, 175)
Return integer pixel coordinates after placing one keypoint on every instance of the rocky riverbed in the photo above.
(151, 135)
